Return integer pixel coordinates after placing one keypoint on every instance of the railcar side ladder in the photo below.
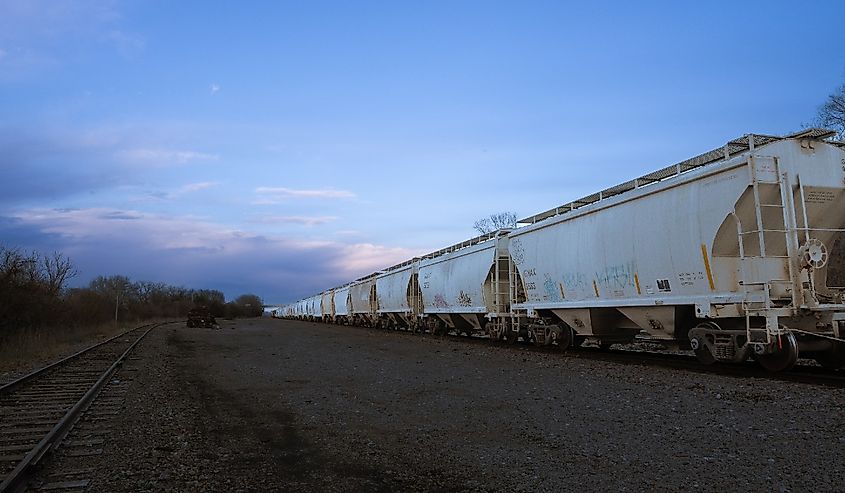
(766, 175)
(501, 285)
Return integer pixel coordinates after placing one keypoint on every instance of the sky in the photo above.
(283, 148)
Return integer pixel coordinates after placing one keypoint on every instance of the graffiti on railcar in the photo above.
(574, 282)
(464, 299)
(440, 301)
(517, 251)
(553, 292)
(617, 277)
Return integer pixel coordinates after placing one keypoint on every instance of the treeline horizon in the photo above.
(34, 295)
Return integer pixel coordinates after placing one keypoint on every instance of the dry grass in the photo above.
(20, 353)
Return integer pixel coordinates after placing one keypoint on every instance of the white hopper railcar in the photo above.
(364, 303)
(302, 309)
(399, 301)
(314, 310)
(340, 302)
(735, 252)
(466, 285)
(327, 305)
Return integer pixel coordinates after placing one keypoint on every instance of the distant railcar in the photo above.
(465, 286)
(398, 298)
(363, 300)
(340, 302)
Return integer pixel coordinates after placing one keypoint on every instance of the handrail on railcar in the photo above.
(741, 144)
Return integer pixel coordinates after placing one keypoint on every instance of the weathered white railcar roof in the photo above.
(449, 249)
(733, 147)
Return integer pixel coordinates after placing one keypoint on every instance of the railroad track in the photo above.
(801, 373)
(39, 409)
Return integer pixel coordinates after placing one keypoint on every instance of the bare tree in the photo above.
(57, 270)
(832, 112)
(495, 222)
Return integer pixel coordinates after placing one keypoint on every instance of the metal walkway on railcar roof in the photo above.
(457, 246)
(733, 147)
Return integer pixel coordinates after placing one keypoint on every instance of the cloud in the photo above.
(362, 257)
(52, 163)
(114, 215)
(195, 187)
(162, 157)
(304, 220)
(194, 252)
(172, 194)
(274, 195)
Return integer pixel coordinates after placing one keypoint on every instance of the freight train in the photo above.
(736, 253)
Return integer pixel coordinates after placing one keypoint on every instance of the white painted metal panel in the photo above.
(314, 306)
(392, 290)
(341, 298)
(454, 282)
(653, 245)
(326, 303)
(646, 248)
(360, 296)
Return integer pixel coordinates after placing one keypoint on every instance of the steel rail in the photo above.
(17, 478)
(29, 376)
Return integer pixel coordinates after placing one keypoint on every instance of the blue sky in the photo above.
(281, 148)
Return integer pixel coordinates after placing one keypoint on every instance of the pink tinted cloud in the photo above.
(176, 249)
(274, 195)
(303, 220)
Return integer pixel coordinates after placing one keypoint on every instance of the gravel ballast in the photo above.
(294, 406)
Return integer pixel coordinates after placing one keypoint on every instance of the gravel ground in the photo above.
(293, 406)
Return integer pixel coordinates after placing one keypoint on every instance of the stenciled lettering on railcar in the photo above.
(721, 179)
(690, 278)
(526, 275)
(819, 196)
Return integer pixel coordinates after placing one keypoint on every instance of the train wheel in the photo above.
(833, 358)
(564, 338)
(702, 350)
(784, 357)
